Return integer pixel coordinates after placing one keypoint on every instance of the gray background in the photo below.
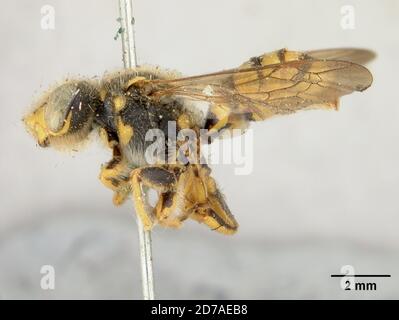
(323, 193)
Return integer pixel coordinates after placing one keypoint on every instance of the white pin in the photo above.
(130, 61)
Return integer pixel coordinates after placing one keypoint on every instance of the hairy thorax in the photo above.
(128, 115)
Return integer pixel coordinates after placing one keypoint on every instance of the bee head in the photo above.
(65, 115)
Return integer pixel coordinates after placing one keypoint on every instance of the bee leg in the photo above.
(205, 203)
(152, 177)
(216, 215)
(115, 176)
(117, 179)
(169, 210)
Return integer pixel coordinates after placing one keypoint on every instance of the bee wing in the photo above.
(359, 56)
(280, 82)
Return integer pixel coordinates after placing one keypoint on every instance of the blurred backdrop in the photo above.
(324, 188)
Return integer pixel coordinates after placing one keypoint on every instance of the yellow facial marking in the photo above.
(125, 132)
(37, 125)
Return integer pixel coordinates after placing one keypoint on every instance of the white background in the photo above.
(323, 192)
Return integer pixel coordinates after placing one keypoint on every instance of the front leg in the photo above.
(115, 175)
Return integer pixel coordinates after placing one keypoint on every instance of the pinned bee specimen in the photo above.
(125, 105)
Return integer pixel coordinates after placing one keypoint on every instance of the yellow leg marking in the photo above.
(121, 195)
(171, 223)
(194, 195)
(205, 204)
(112, 179)
(168, 211)
(163, 180)
(213, 224)
(115, 175)
(143, 210)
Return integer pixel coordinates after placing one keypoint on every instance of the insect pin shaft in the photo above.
(129, 60)
(127, 33)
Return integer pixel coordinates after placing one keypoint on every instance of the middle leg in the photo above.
(161, 178)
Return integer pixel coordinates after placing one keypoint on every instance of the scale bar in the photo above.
(361, 275)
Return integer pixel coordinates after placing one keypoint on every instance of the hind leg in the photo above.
(184, 192)
(205, 203)
(216, 215)
(169, 210)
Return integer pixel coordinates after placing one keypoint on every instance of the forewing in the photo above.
(359, 56)
(280, 82)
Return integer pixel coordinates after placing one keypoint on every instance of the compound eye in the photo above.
(59, 105)
(69, 107)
